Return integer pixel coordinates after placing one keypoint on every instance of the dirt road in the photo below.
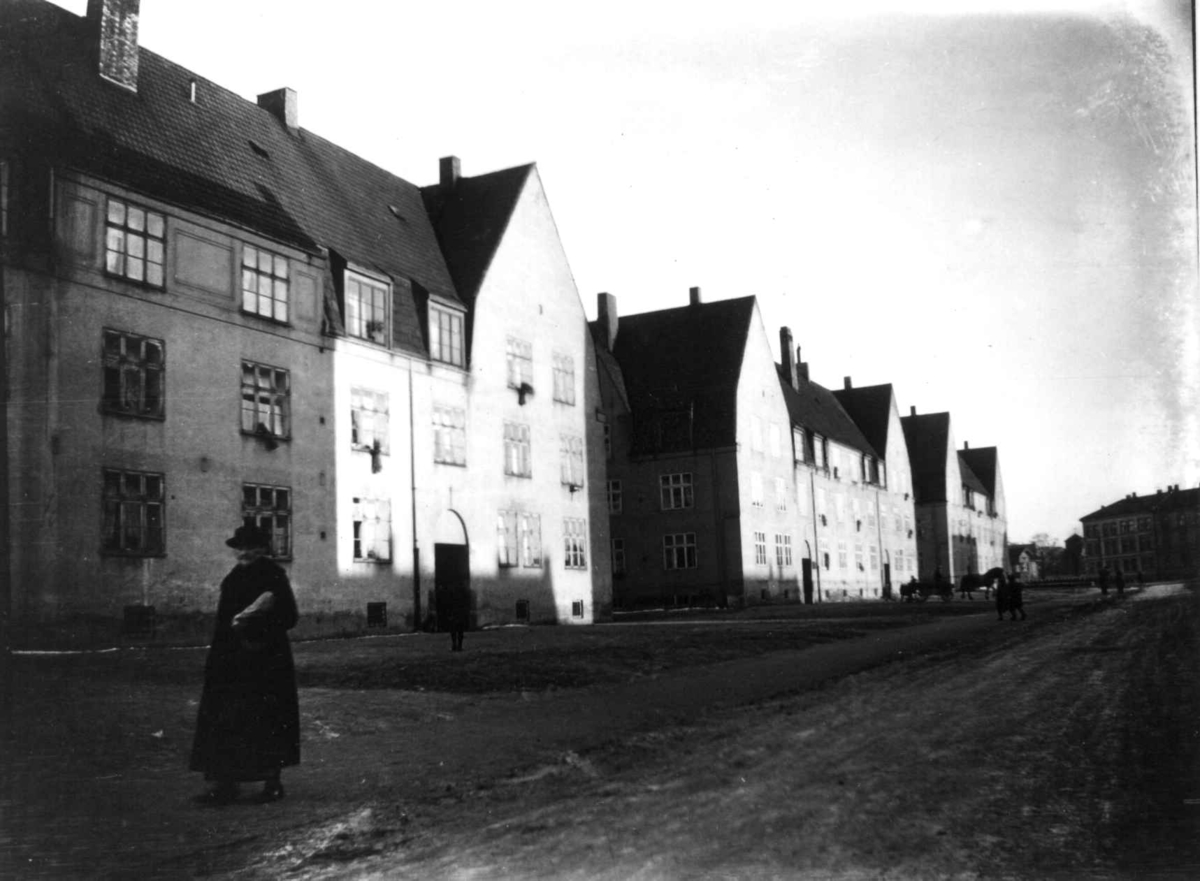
(957, 748)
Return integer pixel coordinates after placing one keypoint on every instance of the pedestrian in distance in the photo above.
(248, 724)
(1119, 580)
(1016, 597)
(1000, 591)
(1102, 578)
(454, 608)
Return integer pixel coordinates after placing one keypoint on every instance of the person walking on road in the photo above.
(1016, 597)
(1102, 578)
(1119, 580)
(1001, 591)
(248, 724)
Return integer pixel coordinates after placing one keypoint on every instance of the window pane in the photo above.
(116, 212)
(281, 267)
(264, 262)
(154, 251)
(154, 274)
(154, 224)
(134, 268)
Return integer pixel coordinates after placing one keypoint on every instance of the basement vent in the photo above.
(377, 614)
(139, 622)
(577, 609)
(522, 610)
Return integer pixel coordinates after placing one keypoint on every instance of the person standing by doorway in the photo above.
(248, 724)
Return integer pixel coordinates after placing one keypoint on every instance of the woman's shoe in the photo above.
(272, 791)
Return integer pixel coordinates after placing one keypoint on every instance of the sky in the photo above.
(994, 210)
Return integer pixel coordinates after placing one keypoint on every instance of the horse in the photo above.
(969, 583)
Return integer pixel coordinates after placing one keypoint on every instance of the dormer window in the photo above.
(366, 308)
(446, 336)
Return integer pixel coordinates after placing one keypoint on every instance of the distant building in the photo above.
(215, 316)
(1157, 535)
(1025, 561)
(961, 525)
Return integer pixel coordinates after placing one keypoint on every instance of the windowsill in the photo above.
(144, 285)
(268, 318)
(278, 438)
(360, 448)
(443, 363)
(133, 555)
(520, 476)
(451, 464)
(373, 561)
(123, 414)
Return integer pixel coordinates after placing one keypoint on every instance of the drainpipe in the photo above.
(5, 535)
(812, 495)
(412, 468)
(879, 534)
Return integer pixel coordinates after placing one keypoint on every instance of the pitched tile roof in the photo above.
(983, 463)
(222, 156)
(1133, 505)
(818, 409)
(969, 478)
(608, 364)
(871, 408)
(681, 369)
(928, 438)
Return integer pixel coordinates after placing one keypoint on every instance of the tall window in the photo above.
(774, 440)
(756, 489)
(366, 308)
(783, 550)
(820, 452)
(858, 557)
(530, 535)
(506, 539)
(874, 558)
(270, 508)
(133, 512)
(134, 243)
(369, 420)
(780, 494)
(446, 336)
(449, 435)
(266, 400)
(618, 556)
(843, 559)
(264, 283)
(134, 368)
(564, 379)
(679, 550)
(575, 543)
(517, 460)
(756, 434)
(571, 449)
(3, 199)
(675, 490)
(372, 530)
(519, 355)
(760, 548)
(616, 497)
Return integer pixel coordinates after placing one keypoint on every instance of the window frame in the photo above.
(564, 378)
(258, 272)
(366, 327)
(679, 551)
(518, 359)
(571, 464)
(783, 550)
(370, 420)
(124, 229)
(616, 497)
(574, 543)
(760, 548)
(618, 557)
(374, 546)
(144, 502)
(125, 366)
(671, 490)
(449, 437)
(518, 450)
(447, 343)
(254, 513)
(281, 401)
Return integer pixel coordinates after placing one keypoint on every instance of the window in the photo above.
(843, 560)
(675, 491)
(264, 283)
(366, 308)
(760, 548)
(564, 379)
(446, 336)
(368, 420)
(1128, 544)
(134, 243)
(571, 461)
(607, 442)
(1143, 524)
(506, 539)
(372, 530)
(520, 363)
(821, 452)
(449, 435)
(516, 450)
(780, 494)
(679, 551)
(1126, 526)
(615, 497)
(530, 527)
(874, 558)
(783, 550)
(266, 400)
(577, 608)
(756, 489)
(270, 509)
(133, 509)
(575, 543)
(133, 375)
(618, 556)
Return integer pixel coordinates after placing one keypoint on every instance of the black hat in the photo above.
(249, 536)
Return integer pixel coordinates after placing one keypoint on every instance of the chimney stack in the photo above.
(283, 104)
(801, 366)
(606, 313)
(966, 445)
(846, 383)
(912, 411)
(450, 171)
(116, 26)
(788, 359)
(694, 296)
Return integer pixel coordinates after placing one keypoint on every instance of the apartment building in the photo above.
(1155, 535)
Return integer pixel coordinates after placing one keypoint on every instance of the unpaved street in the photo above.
(1064, 746)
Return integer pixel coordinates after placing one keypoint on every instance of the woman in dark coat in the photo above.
(248, 726)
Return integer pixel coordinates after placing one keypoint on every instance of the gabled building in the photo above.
(1156, 535)
(217, 316)
(1026, 561)
(961, 527)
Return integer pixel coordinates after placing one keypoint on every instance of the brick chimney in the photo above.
(846, 383)
(450, 171)
(606, 314)
(694, 296)
(788, 359)
(801, 367)
(966, 445)
(116, 26)
(912, 411)
(283, 105)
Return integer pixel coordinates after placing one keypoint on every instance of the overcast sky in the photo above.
(994, 211)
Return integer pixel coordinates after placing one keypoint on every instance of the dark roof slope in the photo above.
(871, 408)
(222, 156)
(969, 478)
(607, 363)
(928, 438)
(469, 219)
(681, 369)
(817, 408)
(982, 461)
(1132, 505)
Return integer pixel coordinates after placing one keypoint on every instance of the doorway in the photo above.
(806, 576)
(451, 584)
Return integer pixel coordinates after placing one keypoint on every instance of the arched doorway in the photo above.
(806, 573)
(451, 598)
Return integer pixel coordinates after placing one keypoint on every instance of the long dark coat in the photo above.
(248, 726)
